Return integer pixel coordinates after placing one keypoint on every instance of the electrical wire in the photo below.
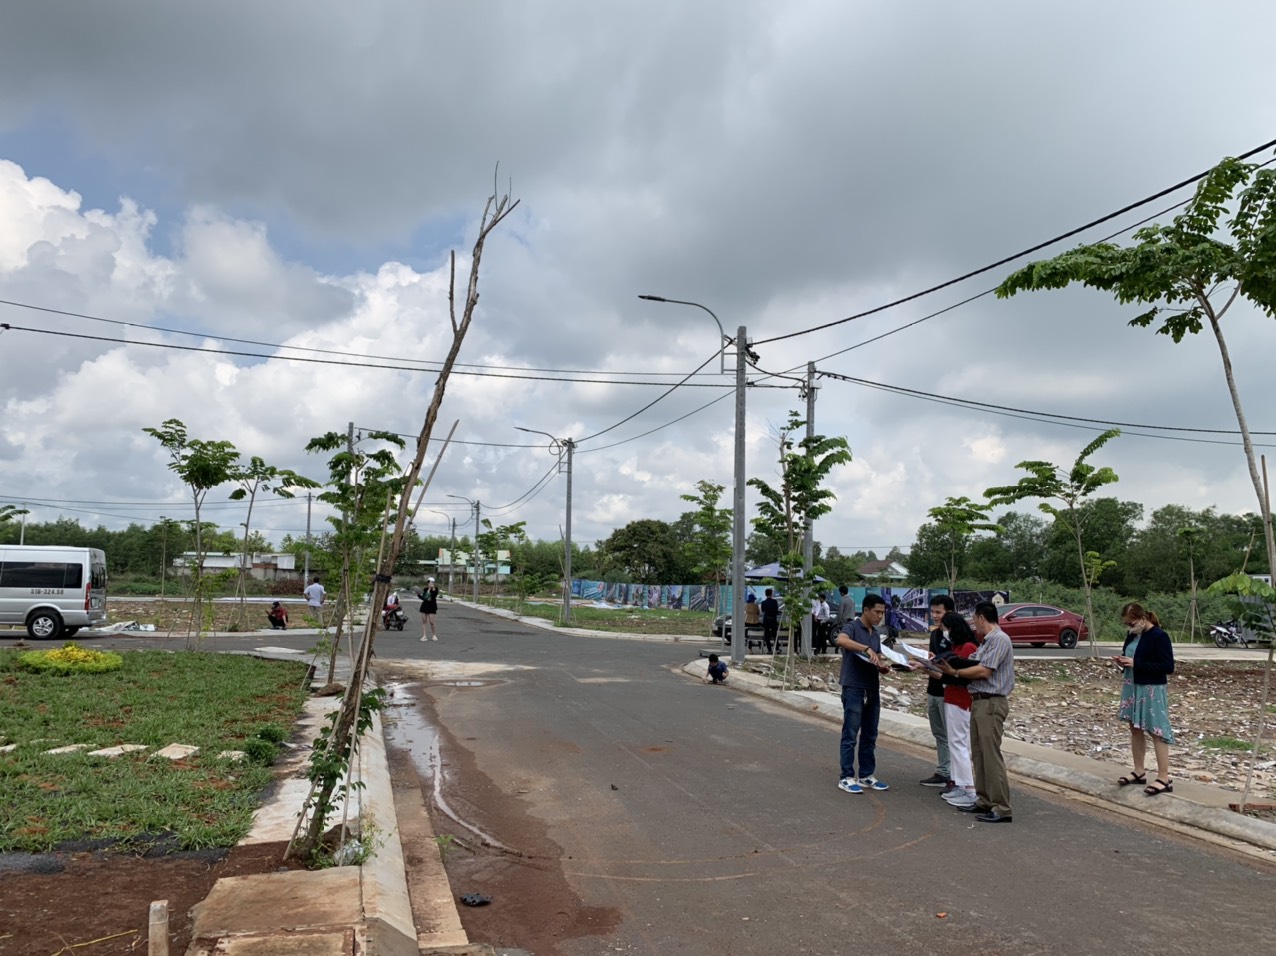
(652, 402)
(1018, 255)
(1034, 416)
(684, 383)
(1030, 411)
(304, 348)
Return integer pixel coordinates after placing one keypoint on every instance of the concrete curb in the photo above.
(1192, 806)
(586, 632)
(343, 910)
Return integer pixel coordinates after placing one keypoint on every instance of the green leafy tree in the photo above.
(252, 479)
(498, 538)
(643, 551)
(1014, 553)
(202, 466)
(362, 480)
(800, 498)
(1253, 603)
(1071, 488)
(1109, 528)
(1190, 273)
(9, 512)
(708, 549)
(957, 521)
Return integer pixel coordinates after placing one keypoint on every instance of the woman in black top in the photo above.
(429, 610)
(1147, 659)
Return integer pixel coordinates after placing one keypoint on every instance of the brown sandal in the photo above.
(1158, 787)
(1132, 778)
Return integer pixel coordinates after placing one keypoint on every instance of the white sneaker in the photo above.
(872, 783)
(849, 785)
(434, 638)
(963, 800)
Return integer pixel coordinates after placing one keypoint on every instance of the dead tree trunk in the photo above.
(342, 739)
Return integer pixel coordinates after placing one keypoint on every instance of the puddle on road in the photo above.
(410, 731)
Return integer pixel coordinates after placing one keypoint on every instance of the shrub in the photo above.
(70, 659)
(260, 751)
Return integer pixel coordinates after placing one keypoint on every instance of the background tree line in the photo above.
(1157, 557)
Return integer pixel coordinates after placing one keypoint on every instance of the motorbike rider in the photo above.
(392, 610)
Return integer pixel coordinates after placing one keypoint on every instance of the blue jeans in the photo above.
(860, 712)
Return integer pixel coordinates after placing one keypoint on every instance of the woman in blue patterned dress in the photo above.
(1147, 660)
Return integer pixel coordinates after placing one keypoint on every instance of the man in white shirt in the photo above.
(314, 598)
(820, 615)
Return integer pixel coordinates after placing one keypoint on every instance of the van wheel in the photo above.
(44, 626)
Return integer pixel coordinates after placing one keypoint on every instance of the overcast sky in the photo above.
(296, 174)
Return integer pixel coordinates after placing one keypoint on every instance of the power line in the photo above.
(374, 365)
(1032, 416)
(652, 402)
(1018, 255)
(302, 348)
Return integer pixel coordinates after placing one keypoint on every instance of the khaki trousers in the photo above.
(992, 786)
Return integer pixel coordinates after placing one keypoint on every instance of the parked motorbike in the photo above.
(393, 618)
(1226, 633)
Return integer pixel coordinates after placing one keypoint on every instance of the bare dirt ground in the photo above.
(175, 616)
(1072, 705)
(98, 902)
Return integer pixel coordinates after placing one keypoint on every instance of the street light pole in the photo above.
(560, 445)
(451, 558)
(738, 642)
(738, 628)
(808, 535)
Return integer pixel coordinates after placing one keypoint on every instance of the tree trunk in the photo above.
(1089, 601)
(1264, 506)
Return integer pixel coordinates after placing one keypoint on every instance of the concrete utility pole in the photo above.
(561, 445)
(305, 575)
(738, 643)
(22, 535)
(808, 535)
(478, 567)
(476, 506)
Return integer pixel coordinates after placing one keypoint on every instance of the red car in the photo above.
(1041, 624)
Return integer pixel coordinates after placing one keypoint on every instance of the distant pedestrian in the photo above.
(1147, 659)
(992, 679)
(717, 673)
(770, 620)
(940, 605)
(315, 594)
(861, 697)
(820, 617)
(845, 607)
(429, 596)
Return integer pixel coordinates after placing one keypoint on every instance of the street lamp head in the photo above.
(654, 298)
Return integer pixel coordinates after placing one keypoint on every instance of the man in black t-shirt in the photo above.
(940, 643)
(770, 620)
(862, 668)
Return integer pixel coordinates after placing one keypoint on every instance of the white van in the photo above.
(53, 591)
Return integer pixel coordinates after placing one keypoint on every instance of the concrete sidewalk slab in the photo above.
(343, 910)
(1191, 807)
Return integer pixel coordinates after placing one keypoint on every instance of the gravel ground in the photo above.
(1071, 705)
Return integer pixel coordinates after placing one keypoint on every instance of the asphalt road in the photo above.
(710, 822)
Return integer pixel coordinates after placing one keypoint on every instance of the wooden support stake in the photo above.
(159, 929)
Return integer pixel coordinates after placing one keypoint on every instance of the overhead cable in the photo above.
(1018, 255)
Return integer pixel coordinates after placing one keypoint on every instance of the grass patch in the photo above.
(1225, 743)
(212, 701)
(623, 620)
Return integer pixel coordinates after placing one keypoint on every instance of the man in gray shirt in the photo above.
(992, 680)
